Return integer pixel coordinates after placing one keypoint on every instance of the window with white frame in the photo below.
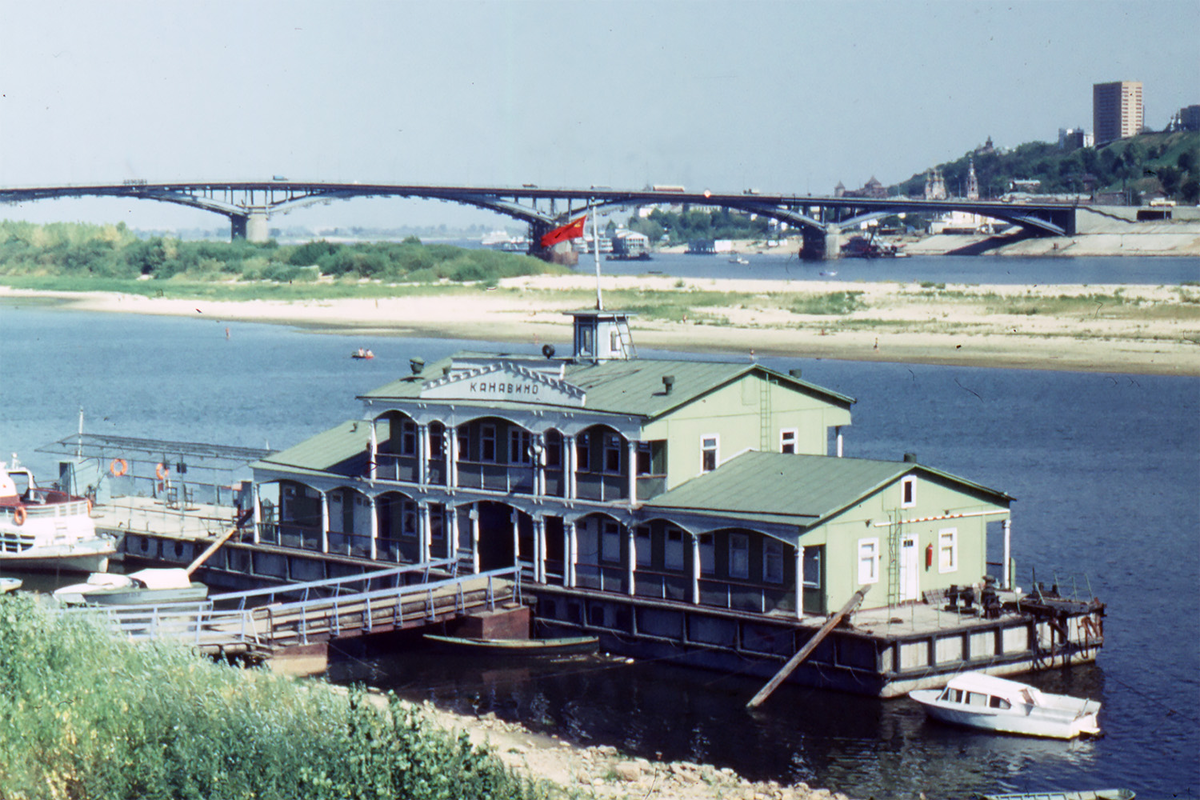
(948, 550)
(708, 453)
(487, 443)
(583, 452)
(610, 542)
(708, 555)
(464, 443)
(787, 441)
(868, 561)
(520, 446)
(812, 567)
(642, 541)
(772, 561)
(908, 491)
(673, 550)
(739, 556)
(408, 438)
(612, 454)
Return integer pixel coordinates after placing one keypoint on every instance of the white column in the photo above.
(256, 500)
(1005, 579)
(324, 522)
(422, 454)
(374, 529)
(516, 538)
(695, 569)
(569, 465)
(539, 456)
(539, 549)
(373, 449)
(799, 581)
(632, 539)
(452, 458)
(632, 450)
(474, 515)
(572, 552)
(452, 524)
(838, 430)
(424, 533)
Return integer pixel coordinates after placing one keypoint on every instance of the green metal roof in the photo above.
(802, 489)
(342, 449)
(633, 386)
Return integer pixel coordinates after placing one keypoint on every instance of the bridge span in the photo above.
(249, 204)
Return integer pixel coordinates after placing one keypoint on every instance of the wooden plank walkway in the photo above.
(262, 621)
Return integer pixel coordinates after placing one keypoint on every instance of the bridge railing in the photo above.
(396, 576)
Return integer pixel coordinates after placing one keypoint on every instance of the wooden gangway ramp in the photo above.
(263, 621)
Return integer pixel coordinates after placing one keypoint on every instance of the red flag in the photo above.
(572, 230)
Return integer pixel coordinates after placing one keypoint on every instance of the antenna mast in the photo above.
(596, 251)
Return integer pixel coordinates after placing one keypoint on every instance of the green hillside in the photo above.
(1147, 165)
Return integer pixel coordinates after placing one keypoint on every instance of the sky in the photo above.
(787, 96)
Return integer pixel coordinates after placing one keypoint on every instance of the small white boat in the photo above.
(46, 529)
(995, 704)
(147, 586)
(9, 585)
(1086, 794)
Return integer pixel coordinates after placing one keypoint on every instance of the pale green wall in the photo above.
(734, 413)
(934, 498)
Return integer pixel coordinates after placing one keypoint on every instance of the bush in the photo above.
(89, 716)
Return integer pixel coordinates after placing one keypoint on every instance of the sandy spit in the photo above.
(1152, 330)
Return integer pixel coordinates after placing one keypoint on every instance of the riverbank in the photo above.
(1123, 329)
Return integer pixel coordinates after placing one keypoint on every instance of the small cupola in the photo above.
(602, 336)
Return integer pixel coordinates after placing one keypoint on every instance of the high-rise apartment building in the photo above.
(1116, 110)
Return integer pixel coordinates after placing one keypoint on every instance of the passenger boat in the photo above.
(157, 586)
(9, 585)
(571, 645)
(46, 529)
(362, 353)
(977, 700)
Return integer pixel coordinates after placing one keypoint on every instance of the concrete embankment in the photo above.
(1100, 231)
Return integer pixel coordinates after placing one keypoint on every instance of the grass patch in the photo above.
(86, 715)
(833, 303)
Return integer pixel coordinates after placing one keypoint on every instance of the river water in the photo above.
(1105, 469)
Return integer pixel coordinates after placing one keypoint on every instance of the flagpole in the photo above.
(596, 250)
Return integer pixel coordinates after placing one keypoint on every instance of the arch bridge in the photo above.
(249, 204)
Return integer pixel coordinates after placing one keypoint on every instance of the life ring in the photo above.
(19, 515)
(118, 467)
(161, 471)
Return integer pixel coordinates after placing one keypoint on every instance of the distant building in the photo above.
(986, 147)
(1117, 111)
(872, 188)
(972, 181)
(935, 185)
(1074, 138)
(1189, 118)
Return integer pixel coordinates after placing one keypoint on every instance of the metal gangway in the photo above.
(261, 622)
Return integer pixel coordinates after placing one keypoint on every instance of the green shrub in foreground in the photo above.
(85, 715)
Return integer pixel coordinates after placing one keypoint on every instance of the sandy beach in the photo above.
(1122, 329)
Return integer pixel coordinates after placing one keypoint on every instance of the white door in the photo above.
(909, 574)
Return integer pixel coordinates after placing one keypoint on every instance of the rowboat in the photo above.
(977, 700)
(574, 645)
(147, 586)
(9, 585)
(1089, 794)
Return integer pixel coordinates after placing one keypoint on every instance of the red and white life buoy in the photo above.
(162, 471)
(118, 467)
(19, 515)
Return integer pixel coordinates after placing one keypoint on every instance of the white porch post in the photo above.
(516, 539)
(632, 450)
(374, 452)
(452, 456)
(474, 516)
(256, 502)
(629, 536)
(572, 553)
(1006, 578)
(539, 549)
(695, 569)
(374, 529)
(452, 534)
(838, 430)
(424, 533)
(324, 521)
(569, 465)
(539, 455)
(799, 581)
(422, 454)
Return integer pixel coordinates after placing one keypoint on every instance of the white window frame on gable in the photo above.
(908, 491)
(868, 561)
(706, 448)
(789, 437)
(948, 550)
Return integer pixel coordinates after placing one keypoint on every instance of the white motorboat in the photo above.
(995, 704)
(46, 529)
(9, 585)
(146, 586)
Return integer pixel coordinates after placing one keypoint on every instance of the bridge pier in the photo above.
(252, 226)
(821, 245)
